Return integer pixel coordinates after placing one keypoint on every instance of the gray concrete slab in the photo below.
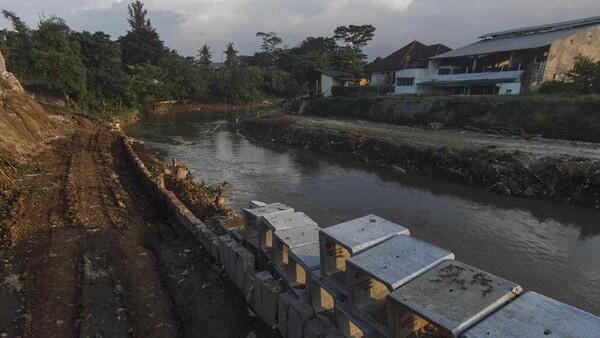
(452, 296)
(398, 260)
(253, 215)
(298, 235)
(286, 220)
(362, 233)
(307, 256)
(534, 315)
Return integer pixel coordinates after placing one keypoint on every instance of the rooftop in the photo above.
(544, 28)
(520, 39)
(413, 55)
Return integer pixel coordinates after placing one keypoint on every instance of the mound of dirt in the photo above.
(23, 121)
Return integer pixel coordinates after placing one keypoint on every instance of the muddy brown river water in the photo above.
(551, 248)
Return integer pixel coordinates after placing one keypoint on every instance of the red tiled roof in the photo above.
(413, 55)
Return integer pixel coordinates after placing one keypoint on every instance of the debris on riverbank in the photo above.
(546, 169)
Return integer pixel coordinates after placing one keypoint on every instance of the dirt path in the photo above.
(89, 254)
(459, 139)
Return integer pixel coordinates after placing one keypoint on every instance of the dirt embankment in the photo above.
(560, 117)
(546, 169)
(84, 251)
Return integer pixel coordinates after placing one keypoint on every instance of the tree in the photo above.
(585, 76)
(231, 56)
(270, 41)
(137, 17)
(58, 60)
(109, 86)
(205, 56)
(355, 37)
(17, 46)
(141, 43)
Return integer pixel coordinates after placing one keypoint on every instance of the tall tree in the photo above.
(109, 86)
(205, 56)
(270, 41)
(231, 56)
(17, 44)
(58, 59)
(138, 20)
(355, 37)
(141, 43)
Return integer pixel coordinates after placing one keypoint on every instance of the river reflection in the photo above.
(551, 248)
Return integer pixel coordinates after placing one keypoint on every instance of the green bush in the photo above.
(339, 91)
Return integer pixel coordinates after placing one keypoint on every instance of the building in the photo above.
(510, 62)
(334, 78)
(403, 70)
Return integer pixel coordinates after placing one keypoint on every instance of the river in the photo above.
(551, 248)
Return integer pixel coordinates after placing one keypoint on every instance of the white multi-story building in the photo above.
(403, 70)
(510, 62)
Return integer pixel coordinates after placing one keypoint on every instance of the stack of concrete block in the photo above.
(449, 299)
(287, 239)
(342, 241)
(321, 327)
(265, 299)
(375, 273)
(535, 315)
(299, 313)
(283, 306)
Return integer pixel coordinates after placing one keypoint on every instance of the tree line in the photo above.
(94, 73)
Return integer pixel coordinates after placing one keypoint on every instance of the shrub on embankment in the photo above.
(562, 117)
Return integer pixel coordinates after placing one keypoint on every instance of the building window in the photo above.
(444, 71)
(405, 81)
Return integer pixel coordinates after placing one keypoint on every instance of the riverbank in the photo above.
(86, 251)
(175, 107)
(536, 168)
(551, 116)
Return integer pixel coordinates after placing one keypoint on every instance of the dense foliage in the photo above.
(583, 79)
(92, 72)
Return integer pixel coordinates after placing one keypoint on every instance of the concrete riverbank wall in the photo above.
(382, 267)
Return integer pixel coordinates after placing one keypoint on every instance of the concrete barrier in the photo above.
(328, 313)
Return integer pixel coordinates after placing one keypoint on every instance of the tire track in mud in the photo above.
(94, 256)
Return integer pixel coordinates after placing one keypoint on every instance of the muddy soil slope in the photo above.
(85, 252)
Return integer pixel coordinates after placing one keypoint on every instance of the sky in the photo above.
(185, 25)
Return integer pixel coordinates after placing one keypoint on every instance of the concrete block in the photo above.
(298, 314)
(283, 305)
(245, 266)
(223, 243)
(320, 327)
(535, 315)
(451, 297)
(342, 241)
(270, 298)
(375, 273)
(214, 248)
(260, 278)
(256, 204)
(353, 323)
(232, 263)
